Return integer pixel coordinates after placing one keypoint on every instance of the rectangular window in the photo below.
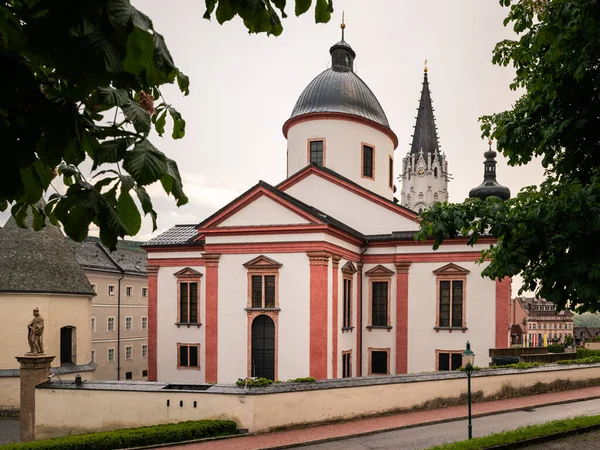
(93, 324)
(379, 362)
(93, 355)
(263, 291)
(144, 373)
(110, 324)
(316, 152)
(346, 364)
(111, 289)
(144, 323)
(128, 352)
(449, 361)
(129, 291)
(380, 304)
(391, 173)
(367, 161)
(451, 303)
(144, 350)
(129, 375)
(188, 356)
(129, 323)
(144, 292)
(110, 356)
(188, 302)
(347, 303)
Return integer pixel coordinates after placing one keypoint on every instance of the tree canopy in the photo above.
(548, 234)
(81, 81)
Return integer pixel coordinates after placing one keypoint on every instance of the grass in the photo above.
(523, 433)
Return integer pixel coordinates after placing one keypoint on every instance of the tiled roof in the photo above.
(529, 304)
(91, 254)
(39, 261)
(178, 235)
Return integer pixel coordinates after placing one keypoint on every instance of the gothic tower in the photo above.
(424, 169)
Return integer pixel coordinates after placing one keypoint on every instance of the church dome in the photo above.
(490, 186)
(339, 90)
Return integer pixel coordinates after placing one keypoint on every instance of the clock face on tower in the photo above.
(420, 171)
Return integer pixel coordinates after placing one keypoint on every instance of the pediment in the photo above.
(188, 272)
(379, 270)
(349, 268)
(262, 262)
(451, 269)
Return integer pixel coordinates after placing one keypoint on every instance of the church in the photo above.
(320, 275)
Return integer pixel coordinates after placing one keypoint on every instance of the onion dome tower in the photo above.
(424, 169)
(338, 123)
(490, 187)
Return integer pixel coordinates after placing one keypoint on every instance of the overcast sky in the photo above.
(243, 88)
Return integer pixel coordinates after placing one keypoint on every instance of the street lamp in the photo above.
(468, 362)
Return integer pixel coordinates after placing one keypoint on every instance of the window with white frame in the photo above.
(144, 323)
(129, 291)
(93, 355)
(110, 324)
(93, 324)
(110, 355)
(128, 352)
(128, 323)
(144, 292)
(144, 350)
(111, 289)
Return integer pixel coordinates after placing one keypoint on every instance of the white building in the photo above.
(320, 275)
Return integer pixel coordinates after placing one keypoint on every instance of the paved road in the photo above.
(9, 431)
(429, 435)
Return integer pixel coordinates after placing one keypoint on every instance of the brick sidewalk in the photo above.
(384, 423)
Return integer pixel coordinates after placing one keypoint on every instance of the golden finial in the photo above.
(490, 143)
(425, 69)
(342, 25)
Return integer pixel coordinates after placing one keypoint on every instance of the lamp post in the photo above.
(468, 362)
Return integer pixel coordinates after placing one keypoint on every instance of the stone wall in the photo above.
(63, 408)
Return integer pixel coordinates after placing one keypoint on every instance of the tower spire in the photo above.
(343, 25)
(425, 135)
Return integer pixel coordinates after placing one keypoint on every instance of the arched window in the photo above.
(420, 210)
(435, 172)
(263, 347)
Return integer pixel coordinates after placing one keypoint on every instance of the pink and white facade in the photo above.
(320, 275)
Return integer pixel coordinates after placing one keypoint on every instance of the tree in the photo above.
(81, 82)
(549, 234)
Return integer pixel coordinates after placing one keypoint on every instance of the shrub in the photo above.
(556, 348)
(586, 353)
(302, 380)
(505, 360)
(569, 340)
(133, 437)
(259, 382)
(521, 365)
(588, 360)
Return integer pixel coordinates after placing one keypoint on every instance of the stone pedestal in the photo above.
(35, 369)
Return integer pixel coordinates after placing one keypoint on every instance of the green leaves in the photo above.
(260, 16)
(71, 63)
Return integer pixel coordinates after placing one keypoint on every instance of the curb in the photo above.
(542, 439)
(452, 419)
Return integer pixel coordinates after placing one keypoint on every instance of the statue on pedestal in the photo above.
(35, 330)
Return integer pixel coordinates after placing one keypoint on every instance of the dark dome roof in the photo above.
(340, 92)
(490, 186)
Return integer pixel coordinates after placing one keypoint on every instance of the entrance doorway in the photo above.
(263, 347)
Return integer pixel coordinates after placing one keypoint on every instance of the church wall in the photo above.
(378, 338)
(292, 329)
(16, 311)
(343, 148)
(263, 211)
(344, 205)
(168, 334)
(423, 340)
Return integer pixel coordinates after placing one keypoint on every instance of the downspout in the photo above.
(122, 271)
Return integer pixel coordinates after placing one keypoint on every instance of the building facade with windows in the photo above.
(119, 315)
(320, 275)
(38, 270)
(538, 318)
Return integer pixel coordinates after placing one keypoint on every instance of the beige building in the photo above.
(38, 270)
(537, 318)
(119, 318)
